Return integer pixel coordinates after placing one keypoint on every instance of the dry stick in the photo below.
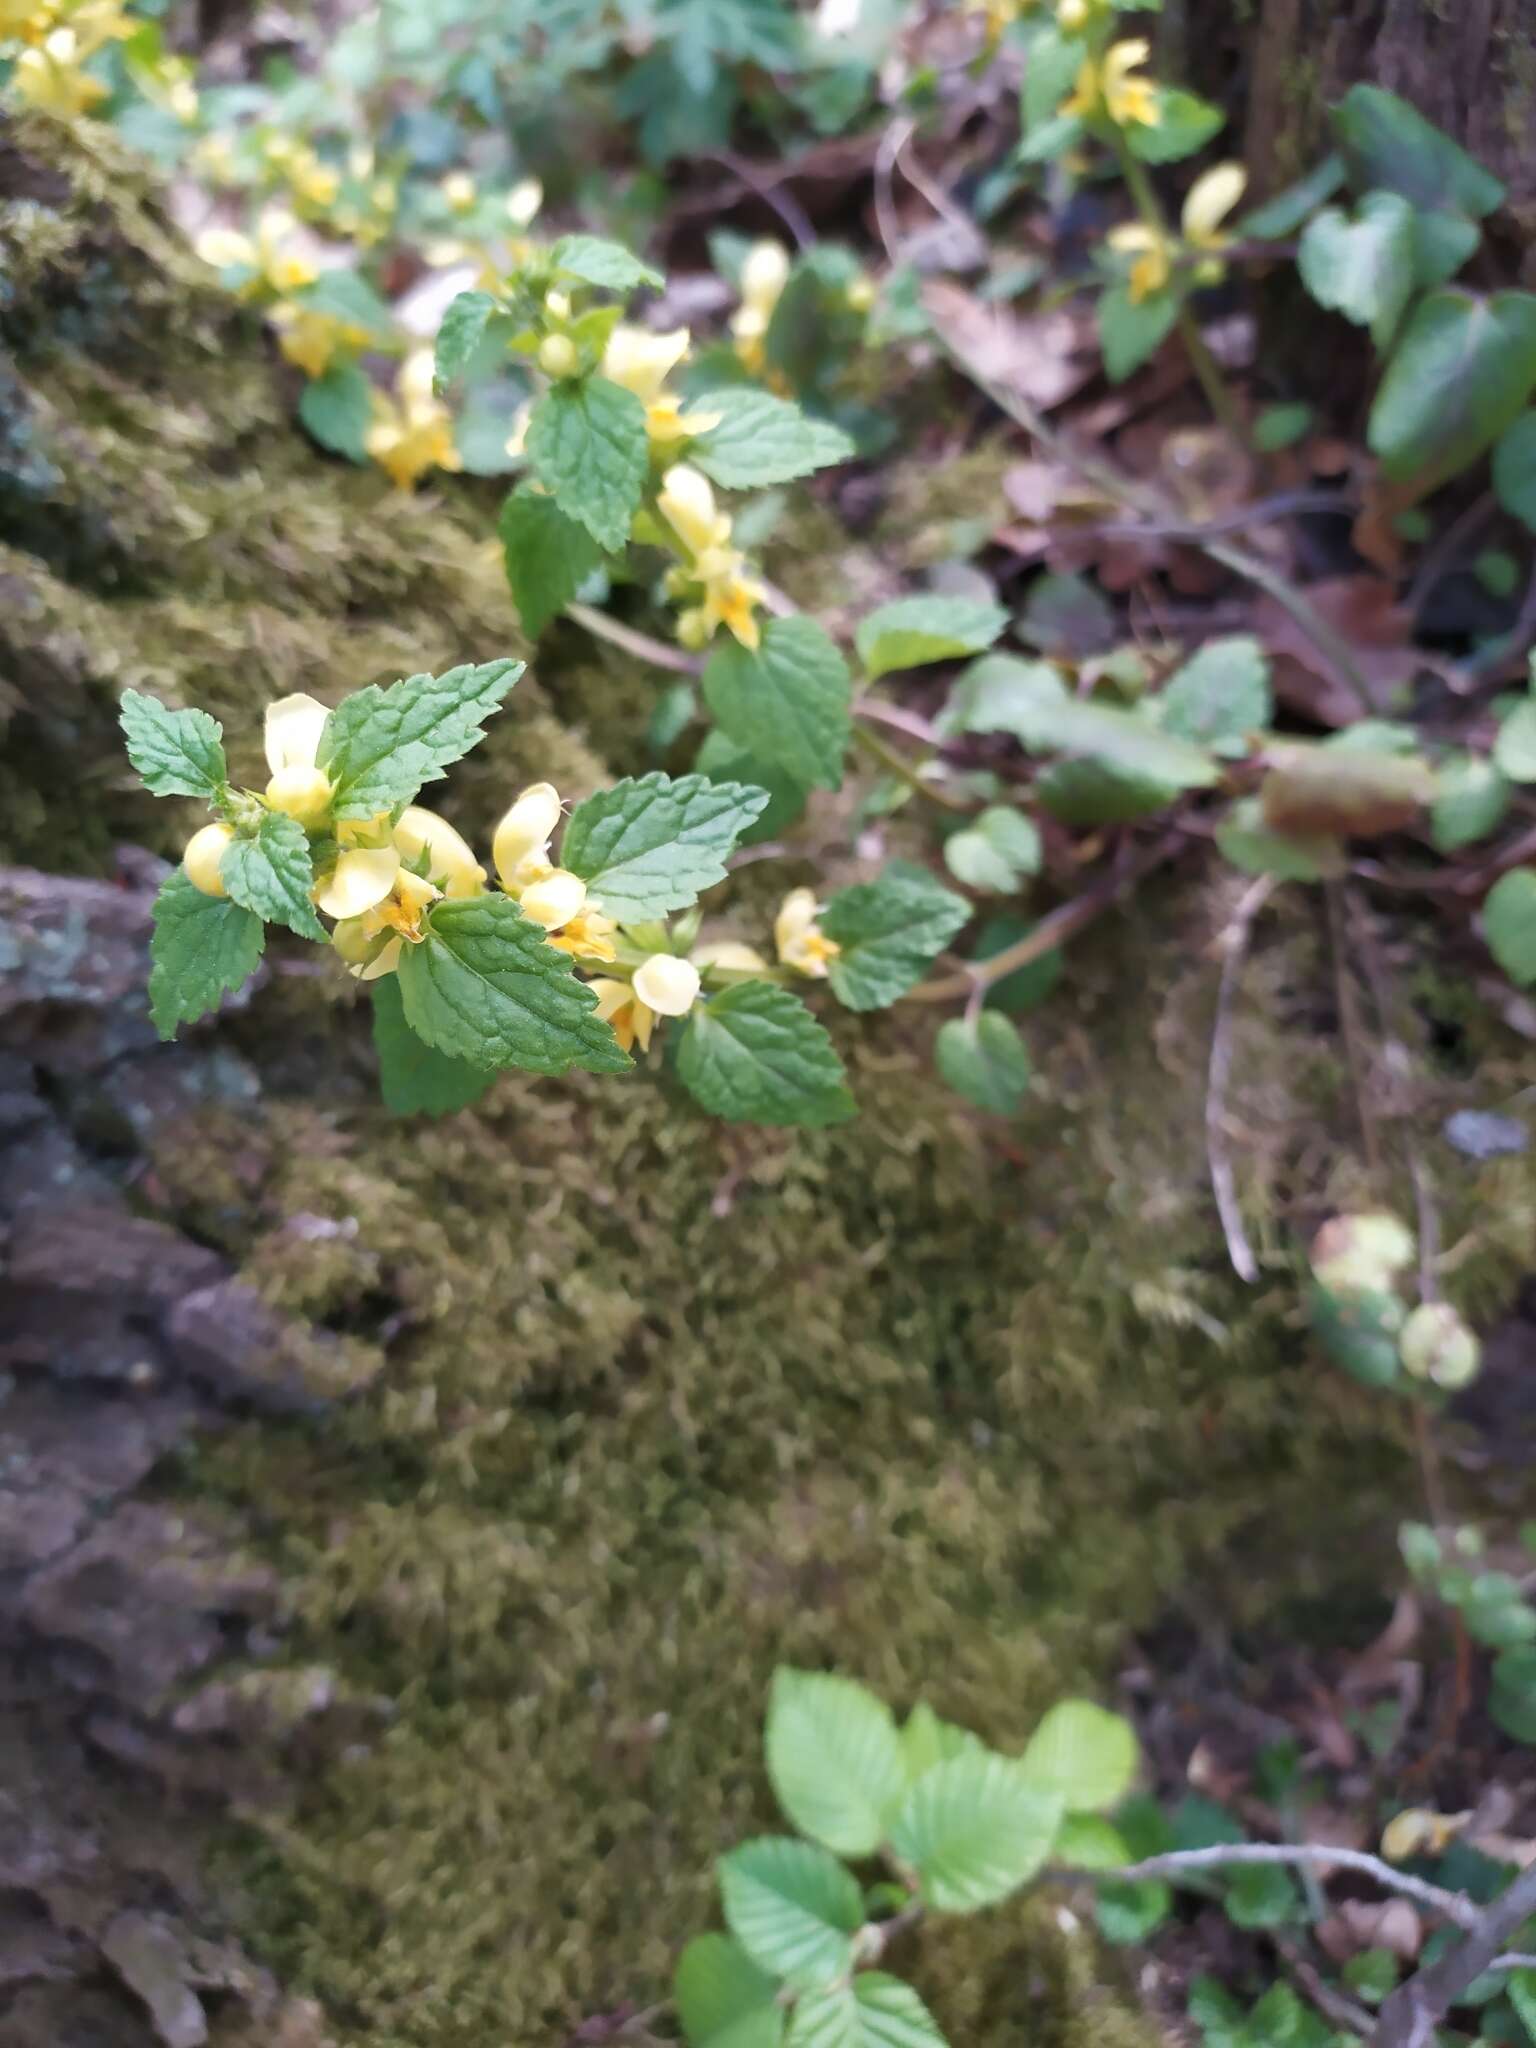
(1329, 2000)
(641, 645)
(1408, 2018)
(1234, 942)
(1452, 1906)
(897, 764)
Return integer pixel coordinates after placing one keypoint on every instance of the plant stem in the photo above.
(1452, 1906)
(642, 645)
(897, 764)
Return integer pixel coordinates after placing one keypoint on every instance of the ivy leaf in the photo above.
(912, 631)
(793, 1907)
(337, 410)
(271, 873)
(1509, 924)
(997, 851)
(1220, 697)
(975, 1829)
(202, 947)
(609, 265)
(1084, 1754)
(587, 445)
(650, 845)
(723, 1999)
(834, 1758)
(1459, 376)
(984, 1059)
(1362, 268)
(788, 702)
(1131, 331)
(414, 1077)
(461, 333)
(755, 1054)
(483, 986)
(889, 930)
(380, 746)
(762, 440)
(874, 2011)
(548, 557)
(178, 753)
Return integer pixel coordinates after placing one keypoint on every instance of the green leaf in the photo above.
(793, 1907)
(997, 851)
(1055, 59)
(975, 1829)
(1462, 371)
(889, 931)
(483, 986)
(460, 335)
(650, 845)
(926, 1740)
(1075, 725)
(414, 1077)
(723, 1999)
(874, 2011)
(337, 410)
(1262, 1895)
(1372, 1974)
(202, 946)
(1067, 617)
(1027, 986)
(1359, 1331)
(271, 873)
(1245, 840)
(1282, 426)
(1362, 268)
(1514, 470)
(834, 1759)
(548, 557)
(1284, 214)
(755, 1054)
(1185, 124)
(1509, 924)
(1388, 145)
(1128, 1913)
(762, 439)
(178, 753)
(609, 265)
(912, 631)
(1085, 1842)
(347, 295)
(587, 445)
(1051, 139)
(1000, 693)
(1521, 1987)
(1084, 1754)
(380, 746)
(788, 702)
(984, 1059)
(1131, 331)
(1220, 697)
(1514, 748)
(1471, 800)
(722, 760)
(1099, 793)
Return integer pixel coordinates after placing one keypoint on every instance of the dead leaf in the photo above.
(1315, 790)
(1044, 356)
(1365, 613)
(1362, 1923)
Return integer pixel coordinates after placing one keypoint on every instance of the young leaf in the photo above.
(1084, 1754)
(874, 2011)
(975, 1829)
(834, 1759)
(889, 931)
(380, 746)
(1131, 331)
(1362, 268)
(650, 845)
(1220, 697)
(926, 1740)
(1389, 146)
(337, 410)
(1514, 470)
(271, 873)
(1461, 373)
(1084, 1842)
(996, 851)
(1128, 1913)
(1471, 801)
(793, 1907)
(723, 1999)
(414, 1077)
(911, 631)
(788, 702)
(1509, 924)
(202, 946)
(484, 987)
(548, 557)
(587, 445)
(178, 753)
(755, 1054)
(609, 265)
(984, 1059)
(461, 333)
(762, 440)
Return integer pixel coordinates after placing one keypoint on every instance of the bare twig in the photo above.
(1451, 1906)
(1409, 2017)
(784, 204)
(641, 645)
(1350, 1029)
(1283, 505)
(892, 143)
(898, 765)
(1439, 559)
(1234, 941)
(1339, 2010)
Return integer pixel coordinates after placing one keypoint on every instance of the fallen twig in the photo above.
(1409, 2017)
(1452, 1906)
(1234, 942)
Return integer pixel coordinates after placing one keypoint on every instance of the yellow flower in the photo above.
(1153, 265)
(553, 899)
(278, 267)
(398, 913)
(620, 1007)
(800, 941)
(293, 729)
(1073, 15)
(664, 986)
(26, 21)
(732, 955)
(1211, 198)
(413, 432)
(524, 201)
(1106, 91)
(458, 190)
(586, 936)
(520, 848)
(314, 339)
(641, 363)
(311, 181)
(687, 503)
(764, 274)
(449, 861)
(731, 600)
(202, 858)
(50, 78)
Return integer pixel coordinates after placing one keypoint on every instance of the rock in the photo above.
(100, 1248)
(1484, 1134)
(227, 1337)
(148, 1955)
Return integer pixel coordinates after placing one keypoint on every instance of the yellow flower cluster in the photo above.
(764, 274)
(1107, 88)
(798, 938)
(413, 431)
(1211, 198)
(552, 896)
(713, 575)
(642, 363)
(274, 259)
(58, 38)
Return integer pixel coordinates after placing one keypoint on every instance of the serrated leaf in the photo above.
(1522, 1996)
(1514, 748)
(997, 851)
(270, 872)
(587, 445)
(1083, 1753)
(1000, 693)
(984, 1059)
(874, 2011)
(202, 947)
(793, 1907)
(414, 1077)
(548, 557)
(650, 845)
(1055, 59)
(1514, 470)
(723, 1999)
(460, 334)
(1459, 376)
(975, 1829)
(1471, 800)
(834, 1759)
(380, 746)
(1220, 697)
(337, 410)
(1131, 331)
(347, 295)
(483, 986)
(722, 760)
(609, 265)
(1509, 924)
(911, 631)
(755, 1054)
(177, 753)
(1262, 1895)
(762, 439)
(788, 702)
(889, 931)
(927, 1740)
(1362, 268)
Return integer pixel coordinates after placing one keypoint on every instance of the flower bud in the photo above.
(526, 825)
(694, 630)
(1436, 1345)
(555, 900)
(524, 201)
(1361, 1254)
(732, 955)
(667, 985)
(301, 793)
(764, 273)
(861, 294)
(687, 503)
(558, 356)
(458, 190)
(203, 856)
(450, 862)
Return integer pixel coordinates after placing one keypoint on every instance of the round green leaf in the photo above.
(834, 1758)
(723, 1999)
(1085, 1754)
(984, 1059)
(793, 1907)
(1509, 924)
(1514, 470)
(975, 1828)
(1461, 373)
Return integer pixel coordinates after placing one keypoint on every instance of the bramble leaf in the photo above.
(650, 845)
(202, 947)
(889, 931)
(380, 746)
(178, 753)
(755, 1054)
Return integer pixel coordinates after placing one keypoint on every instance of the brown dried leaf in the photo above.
(1044, 356)
(1314, 789)
(1365, 612)
(1362, 1923)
